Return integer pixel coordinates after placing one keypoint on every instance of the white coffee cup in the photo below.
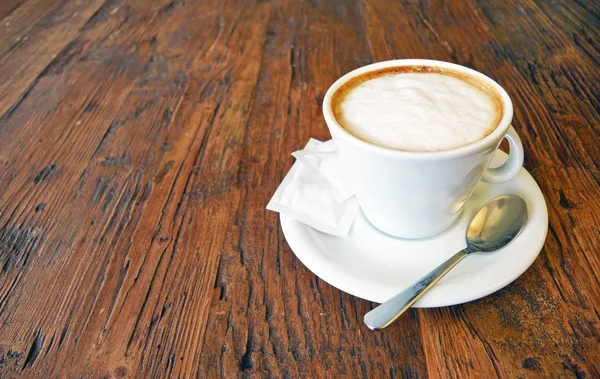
(420, 194)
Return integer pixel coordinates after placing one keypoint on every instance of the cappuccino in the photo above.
(417, 108)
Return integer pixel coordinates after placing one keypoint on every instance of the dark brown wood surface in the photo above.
(140, 141)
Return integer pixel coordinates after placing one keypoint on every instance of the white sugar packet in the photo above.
(322, 157)
(317, 190)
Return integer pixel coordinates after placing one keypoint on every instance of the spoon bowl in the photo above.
(496, 224)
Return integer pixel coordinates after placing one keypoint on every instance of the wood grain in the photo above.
(8, 6)
(141, 140)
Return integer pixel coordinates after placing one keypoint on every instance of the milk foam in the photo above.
(418, 111)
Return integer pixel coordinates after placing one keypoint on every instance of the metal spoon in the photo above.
(494, 226)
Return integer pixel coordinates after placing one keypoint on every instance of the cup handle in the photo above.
(513, 164)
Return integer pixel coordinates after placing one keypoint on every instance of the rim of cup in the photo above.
(486, 142)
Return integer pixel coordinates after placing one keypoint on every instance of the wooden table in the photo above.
(140, 141)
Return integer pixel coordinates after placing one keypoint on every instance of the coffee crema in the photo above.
(417, 108)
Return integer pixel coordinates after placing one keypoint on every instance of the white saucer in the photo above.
(375, 266)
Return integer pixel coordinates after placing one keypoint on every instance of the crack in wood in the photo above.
(34, 350)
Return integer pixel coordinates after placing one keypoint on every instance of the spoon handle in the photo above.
(386, 313)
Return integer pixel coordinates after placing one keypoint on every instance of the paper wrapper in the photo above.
(317, 190)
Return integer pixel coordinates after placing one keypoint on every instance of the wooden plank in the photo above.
(211, 189)
(8, 6)
(23, 61)
(576, 18)
(88, 113)
(109, 194)
(24, 18)
(64, 182)
(270, 316)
